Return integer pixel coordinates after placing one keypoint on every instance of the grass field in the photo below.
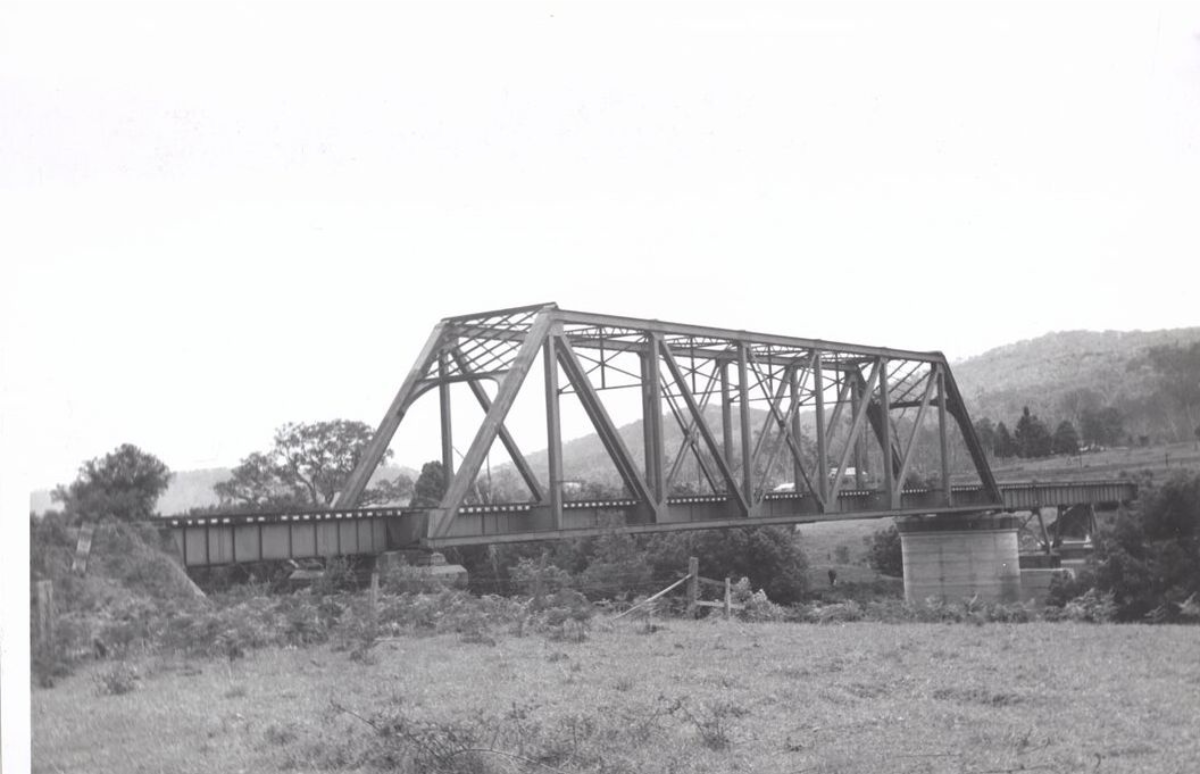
(707, 696)
(1111, 463)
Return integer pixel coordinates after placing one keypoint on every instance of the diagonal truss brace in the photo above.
(931, 383)
(510, 444)
(373, 455)
(441, 518)
(855, 429)
(718, 456)
(605, 428)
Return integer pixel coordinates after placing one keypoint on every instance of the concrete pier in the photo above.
(960, 556)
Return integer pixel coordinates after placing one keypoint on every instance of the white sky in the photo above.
(219, 218)
(216, 218)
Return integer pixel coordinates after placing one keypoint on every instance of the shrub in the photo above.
(884, 552)
(118, 679)
(530, 575)
(618, 567)
(771, 557)
(1149, 560)
(1091, 607)
(755, 604)
(564, 615)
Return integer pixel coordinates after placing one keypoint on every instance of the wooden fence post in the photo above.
(728, 597)
(45, 614)
(374, 598)
(693, 591)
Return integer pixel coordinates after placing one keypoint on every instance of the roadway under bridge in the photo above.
(860, 431)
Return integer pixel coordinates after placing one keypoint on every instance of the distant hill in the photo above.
(1043, 373)
(194, 489)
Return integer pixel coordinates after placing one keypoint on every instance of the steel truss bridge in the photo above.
(850, 425)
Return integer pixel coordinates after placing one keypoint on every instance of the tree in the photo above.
(986, 432)
(771, 557)
(1150, 558)
(617, 565)
(884, 552)
(1074, 403)
(1178, 371)
(124, 484)
(1066, 440)
(1005, 445)
(430, 487)
(1032, 436)
(309, 464)
(1102, 427)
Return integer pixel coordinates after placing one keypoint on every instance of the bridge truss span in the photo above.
(853, 430)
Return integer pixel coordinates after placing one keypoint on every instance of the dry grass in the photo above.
(1108, 464)
(692, 697)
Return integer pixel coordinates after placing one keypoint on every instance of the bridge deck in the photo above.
(253, 537)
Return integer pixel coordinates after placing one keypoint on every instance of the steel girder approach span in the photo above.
(770, 429)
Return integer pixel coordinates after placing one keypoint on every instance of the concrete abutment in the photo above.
(960, 556)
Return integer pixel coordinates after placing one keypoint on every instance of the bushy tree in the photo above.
(1102, 426)
(1150, 558)
(124, 484)
(1005, 445)
(617, 565)
(884, 552)
(1178, 371)
(771, 557)
(1032, 436)
(1066, 440)
(307, 467)
(986, 432)
(1074, 403)
(431, 485)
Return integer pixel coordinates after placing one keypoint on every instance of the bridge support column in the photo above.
(955, 557)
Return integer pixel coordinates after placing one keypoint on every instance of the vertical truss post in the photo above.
(885, 434)
(744, 415)
(726, 415)
(652, 424)
(373, 454)
(943, 441)
(794, 384)
(444, 411)
(553, 430)
(822, 471)
(856, 398)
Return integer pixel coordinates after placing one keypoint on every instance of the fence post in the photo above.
(693, 591)
(374, 598)
(45, 614)
(728, 597)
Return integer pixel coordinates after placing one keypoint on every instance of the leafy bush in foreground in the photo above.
(1149, 560)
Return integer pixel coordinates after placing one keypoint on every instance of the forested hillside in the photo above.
(1060, 375)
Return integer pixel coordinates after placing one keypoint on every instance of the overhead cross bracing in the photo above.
(868, 431)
